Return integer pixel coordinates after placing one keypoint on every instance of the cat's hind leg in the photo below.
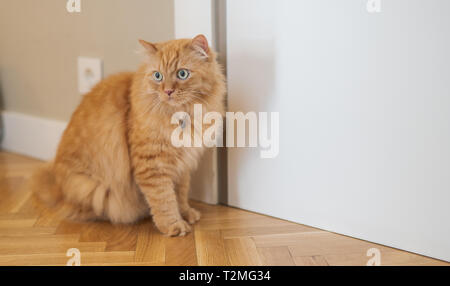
(84, 197)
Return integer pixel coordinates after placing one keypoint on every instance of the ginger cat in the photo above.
(116, 161)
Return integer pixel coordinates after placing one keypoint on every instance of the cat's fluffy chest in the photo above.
(187, 157)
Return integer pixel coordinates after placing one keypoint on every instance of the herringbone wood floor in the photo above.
(224, 236)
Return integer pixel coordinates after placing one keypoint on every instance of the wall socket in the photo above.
(90, 72)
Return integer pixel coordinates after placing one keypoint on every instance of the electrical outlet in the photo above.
(89, 73)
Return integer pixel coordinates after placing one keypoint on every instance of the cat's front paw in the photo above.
(178, 227)
(191, 215)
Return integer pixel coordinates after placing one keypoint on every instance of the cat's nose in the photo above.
(169, 91)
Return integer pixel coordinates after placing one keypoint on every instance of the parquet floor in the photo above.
(224, 236)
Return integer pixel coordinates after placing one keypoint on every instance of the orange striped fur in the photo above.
(115, 160)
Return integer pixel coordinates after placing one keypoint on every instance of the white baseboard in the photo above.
(30, 135)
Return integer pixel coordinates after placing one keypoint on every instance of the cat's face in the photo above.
(180, 72)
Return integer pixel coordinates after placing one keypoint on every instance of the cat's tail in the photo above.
(48, 195)
(44, 186)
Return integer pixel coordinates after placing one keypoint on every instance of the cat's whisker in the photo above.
(200, 99)
(190, 94)
(154, 106)
(198, 92)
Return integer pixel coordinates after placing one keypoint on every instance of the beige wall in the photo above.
(40, 42)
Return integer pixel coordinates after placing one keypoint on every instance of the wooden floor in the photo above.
(224, 236)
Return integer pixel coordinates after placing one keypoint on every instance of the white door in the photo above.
(364, 105)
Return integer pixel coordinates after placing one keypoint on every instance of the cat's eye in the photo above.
(183, 74)
(157, 76)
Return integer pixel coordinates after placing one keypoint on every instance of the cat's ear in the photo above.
(151, 48)
(200, 44)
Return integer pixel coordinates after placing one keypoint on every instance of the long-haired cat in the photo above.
(115, 160)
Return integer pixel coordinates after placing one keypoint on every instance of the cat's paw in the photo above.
(178, 227)
(191, 215)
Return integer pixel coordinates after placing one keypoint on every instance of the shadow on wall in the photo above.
(220, 33)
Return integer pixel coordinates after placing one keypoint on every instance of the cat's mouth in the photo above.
(175, 100)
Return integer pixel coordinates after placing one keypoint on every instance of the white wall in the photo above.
(194, 17)
(364, 102)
